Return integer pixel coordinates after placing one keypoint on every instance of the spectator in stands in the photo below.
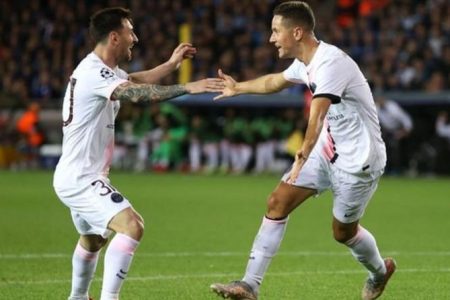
(173, 131)
(442, 126)
(203, 146)
(224, 123)
(443, 133)
(241, 150)
(32, 136)
(263, 135)
(396, 126)
(44, 52)
(433, 154)
(9, 156)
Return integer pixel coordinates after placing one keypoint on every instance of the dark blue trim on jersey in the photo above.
(334, 99)
(333, 159)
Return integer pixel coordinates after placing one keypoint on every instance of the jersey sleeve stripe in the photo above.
(334, 99)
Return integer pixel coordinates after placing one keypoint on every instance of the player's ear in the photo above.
(298, 33)
(113, 37)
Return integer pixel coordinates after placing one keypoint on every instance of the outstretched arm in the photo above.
(183, 51)
(135, 92)
(318, 111)
(266, 84)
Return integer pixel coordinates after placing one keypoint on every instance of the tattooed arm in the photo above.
(129, 91)
(134, 92)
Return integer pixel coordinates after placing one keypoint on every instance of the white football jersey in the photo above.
(88, 122)
(351, 136)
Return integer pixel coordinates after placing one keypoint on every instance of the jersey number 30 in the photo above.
(72, 83)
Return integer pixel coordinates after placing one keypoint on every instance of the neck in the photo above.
(106, 56)
(307, 49)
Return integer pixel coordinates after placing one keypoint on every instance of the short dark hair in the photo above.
(296, 13)
(106, 20)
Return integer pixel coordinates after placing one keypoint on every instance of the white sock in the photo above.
(364, 248)
(118, 259)
(83, 269)
(265, 246)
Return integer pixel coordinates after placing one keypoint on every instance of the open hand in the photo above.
(183, 51)
(229, 86)
(297, 166)
(208, 85)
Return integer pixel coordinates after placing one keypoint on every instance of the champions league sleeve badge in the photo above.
(106, 73)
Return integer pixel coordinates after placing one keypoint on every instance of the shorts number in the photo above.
(108, 189)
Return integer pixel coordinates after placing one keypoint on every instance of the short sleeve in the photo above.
(121, 73)
(106, 81)
(332, 78)
(294, 72)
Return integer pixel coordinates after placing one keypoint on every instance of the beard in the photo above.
(125, 56)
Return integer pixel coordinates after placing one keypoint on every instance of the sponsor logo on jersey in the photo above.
(335, 117)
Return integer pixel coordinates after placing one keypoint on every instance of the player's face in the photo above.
(127, 40)
(283, 38)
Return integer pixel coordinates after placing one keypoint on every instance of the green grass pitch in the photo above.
(199, 230)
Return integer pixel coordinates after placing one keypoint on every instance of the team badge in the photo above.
(116, 197)
(106, 73)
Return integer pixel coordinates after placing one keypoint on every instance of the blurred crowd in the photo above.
(401, 45)
(231, 140)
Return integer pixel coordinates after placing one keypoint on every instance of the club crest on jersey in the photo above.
(116, 197)
(106, 73)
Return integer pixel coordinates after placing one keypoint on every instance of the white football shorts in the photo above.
(351, 192)
(93, 205)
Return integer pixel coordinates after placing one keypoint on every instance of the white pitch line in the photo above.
(222, 254)
(223, 275)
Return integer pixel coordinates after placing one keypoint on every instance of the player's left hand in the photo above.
(229, 86)
(208, 85)
(300, 159)
(183, 51)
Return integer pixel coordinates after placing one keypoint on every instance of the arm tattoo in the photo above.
(134, 92)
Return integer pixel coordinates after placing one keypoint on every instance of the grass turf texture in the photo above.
(199, 230)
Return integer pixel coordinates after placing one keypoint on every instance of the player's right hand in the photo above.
(230, 86)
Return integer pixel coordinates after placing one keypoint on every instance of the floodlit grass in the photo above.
(199, 230)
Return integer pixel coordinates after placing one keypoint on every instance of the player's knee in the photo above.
(92, 243)
(275, 206)
(101, 243)
(344, 232)
(342, 236)
(135, 228)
